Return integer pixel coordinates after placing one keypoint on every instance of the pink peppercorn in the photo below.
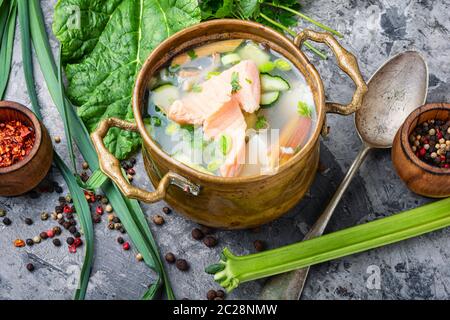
(126, 246)
(446, 166)
(67, 209)
(72, 248)
(77, 242)
(99, 210)
(422, 152)
(50, 233)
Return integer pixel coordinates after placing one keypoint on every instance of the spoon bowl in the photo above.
(395, 90)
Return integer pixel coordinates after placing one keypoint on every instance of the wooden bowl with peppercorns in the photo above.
(421, 151)
(26, 151)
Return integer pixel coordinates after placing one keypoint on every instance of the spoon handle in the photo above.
(289, 286)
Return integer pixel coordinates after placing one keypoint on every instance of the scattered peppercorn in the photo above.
(131, 172)
(29, 242)
(139, 257)
(56, 242)
(182, 265)
(68, 199)
(72, 229)
(167, 210)
(2, 213)
(37, 239)
(207, 230)
(97, 219)
(44, 216)
(120, 240)
(197, 234)
(104, 200)
(28, 221)
(220, 294)
(50, 233)
(170, 257)
(108, 208)
(7, 221)
(211, 294)
(19, 243)
(57, 230)
(130, 177)
(210, 241)
(57, 139)
(70, 241)
(259, 245)
(126, 246)
(158, 220)
(77, 235)
(111, 225)
(43, 235)
(117, 226)
(99, 210)
(85, 165)
(116, 220)
(110, 217)
(66, 225)
(30, 267)
(58, 189)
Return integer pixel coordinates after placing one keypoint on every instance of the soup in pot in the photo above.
(230, 108)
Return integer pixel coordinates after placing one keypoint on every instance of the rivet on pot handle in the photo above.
(110, 166)
(346, 61)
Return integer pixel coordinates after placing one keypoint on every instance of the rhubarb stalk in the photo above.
(233, 270)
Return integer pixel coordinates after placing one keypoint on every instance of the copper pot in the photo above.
(240, 202)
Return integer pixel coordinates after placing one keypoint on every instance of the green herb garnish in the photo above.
(235, 85)
(212, 74)
(248, 81)
(224, 144)
(156, 121)
(196, 88)
(282, 65)
(191, 53)
(266, 67)
(304, 109)
(174, 68)
(261, 123)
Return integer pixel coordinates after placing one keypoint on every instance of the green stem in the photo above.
(292, 33)
(305, 17)
(349, 241)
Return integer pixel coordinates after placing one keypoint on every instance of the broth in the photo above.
(230, 108)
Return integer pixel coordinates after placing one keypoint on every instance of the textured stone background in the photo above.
(413, 269)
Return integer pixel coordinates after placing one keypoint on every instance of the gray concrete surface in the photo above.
(413, 269)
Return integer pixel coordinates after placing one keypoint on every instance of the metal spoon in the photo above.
(395, 90)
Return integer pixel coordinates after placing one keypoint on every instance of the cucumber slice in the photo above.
(252, 52)
(164, 96)
(230, 58)
(269, 98)
(273, 83)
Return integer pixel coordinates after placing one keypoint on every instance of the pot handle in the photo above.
(346, 62)
(110, 166)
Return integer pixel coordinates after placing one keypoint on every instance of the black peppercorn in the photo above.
(158, 220)
(66, 225)
(59, 209)
(43, 235)
(97, 219)
(220, 294)
(56, 242)
(197, 234)
(77, 235)
(206, 230)
(30, 267)
(210, 241)
(29, 242)
(61, 221)
(28, 221)
(57, 230)
(120, 240)
(182, 265)
(62, 200)
(72, 229)
(70, 241)
(211, 294)
(170, 257)
(116, 220)
(167, 210)
(122, 230)
(7, 221)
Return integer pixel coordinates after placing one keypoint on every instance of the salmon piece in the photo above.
(293, 135)
(249, 96)
(195, 107)
(228, 120)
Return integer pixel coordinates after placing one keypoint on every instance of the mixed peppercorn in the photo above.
(16, 142)
(430, 141)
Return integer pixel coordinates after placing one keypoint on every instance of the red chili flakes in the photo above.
(16, 142)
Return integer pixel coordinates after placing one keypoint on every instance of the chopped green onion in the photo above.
(224, 144)
(283, 65)
(304, 109)
(266, 67)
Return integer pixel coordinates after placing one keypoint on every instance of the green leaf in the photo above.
(104, 45)
(304, 109)
(261, 123)
(95, 181)
(8, 17)
(235, 85)
(250, 8)
(214, 268)
(129, 211)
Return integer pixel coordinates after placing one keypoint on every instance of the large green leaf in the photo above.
(104, 44)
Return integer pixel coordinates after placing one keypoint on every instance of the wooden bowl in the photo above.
(26, 174)
(419, 176)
